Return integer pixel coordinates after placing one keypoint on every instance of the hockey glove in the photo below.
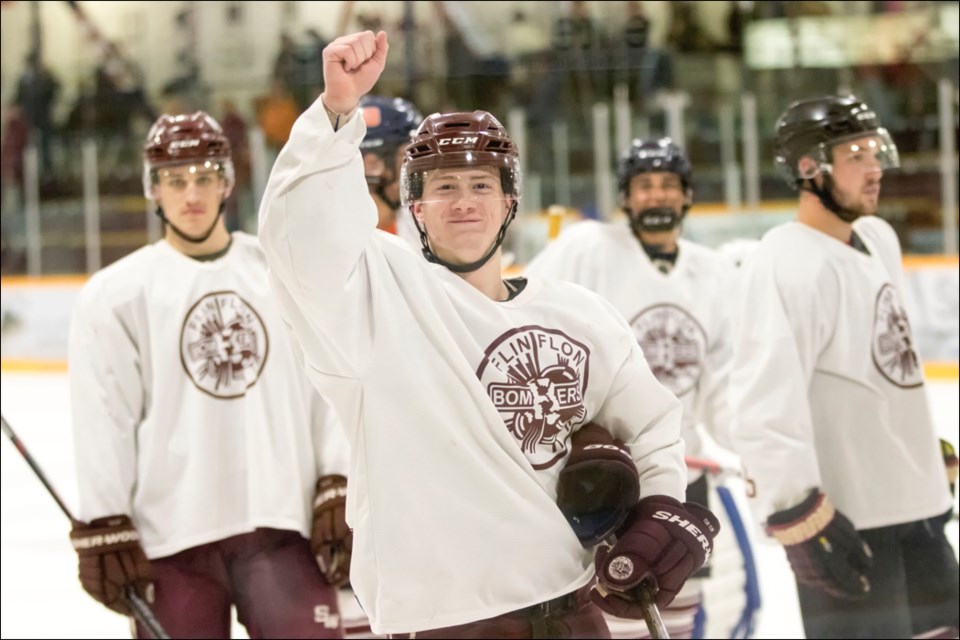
(598, 486)
(111, 559)
(824, 549)
(951, 463)
(331, 539)
(662, 543)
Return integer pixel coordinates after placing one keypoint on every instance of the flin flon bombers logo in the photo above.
(893, 351)
(536, 378)
(673, 343)
(223, 345)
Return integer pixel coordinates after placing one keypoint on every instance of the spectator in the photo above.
(239, 207)
(278, 112)
(37, 90)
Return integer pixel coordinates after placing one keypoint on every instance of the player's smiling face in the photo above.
(656, 189)
(462, 210)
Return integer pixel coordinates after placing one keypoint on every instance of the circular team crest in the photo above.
(536, 378)
(893, 352)
(673, 343)
(223, 345)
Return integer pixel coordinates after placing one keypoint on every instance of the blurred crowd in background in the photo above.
(552, 70)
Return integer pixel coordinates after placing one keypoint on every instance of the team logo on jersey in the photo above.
(536, 378)
(673, 343)
(893, 351)
(223, 345)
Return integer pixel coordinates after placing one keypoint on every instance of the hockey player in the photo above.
(673, 293)
(199, 441)
(460, 390)
(390, 125)
(830, 411)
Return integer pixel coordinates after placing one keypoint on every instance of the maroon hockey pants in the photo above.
(269, 575)
(569, 616)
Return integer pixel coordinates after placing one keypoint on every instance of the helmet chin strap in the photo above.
(184, 236)
(473, 266)
(825, 196)
(381, 191)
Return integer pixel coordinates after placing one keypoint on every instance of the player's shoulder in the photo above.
(248, 247)
(794, 254)
(124, 274)
(591, 233)
(878, 231)
(572, 295)
(704, 257)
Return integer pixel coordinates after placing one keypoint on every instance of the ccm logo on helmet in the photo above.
(183, 144)
(461, 140)
(687, 526)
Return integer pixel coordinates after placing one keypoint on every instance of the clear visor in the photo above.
(204, 175)
(480, 183)
(868, 153)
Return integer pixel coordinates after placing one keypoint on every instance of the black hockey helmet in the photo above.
(649, 155)
(812, 127)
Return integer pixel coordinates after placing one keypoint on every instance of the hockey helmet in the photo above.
(186, 139)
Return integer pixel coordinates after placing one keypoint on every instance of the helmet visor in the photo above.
(446, 185)
(870, 152)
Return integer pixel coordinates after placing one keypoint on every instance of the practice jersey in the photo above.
(191, 409)
(458, 408)
(679, 318)
(407, 229)
(827, 388)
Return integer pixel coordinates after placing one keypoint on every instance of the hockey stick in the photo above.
(714, 468)
(141, 610)
(651, 614)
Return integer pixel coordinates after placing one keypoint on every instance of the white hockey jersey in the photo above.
(458, 408)
(191, 411)
(679, 318)
(827, 389)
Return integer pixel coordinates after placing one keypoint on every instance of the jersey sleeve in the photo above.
(332, 452)
(646, 416)
(317, 229)
(107, 405)
(781, 323)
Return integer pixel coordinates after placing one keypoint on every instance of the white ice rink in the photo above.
(41, 597)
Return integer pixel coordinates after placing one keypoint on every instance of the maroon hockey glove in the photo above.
(111, 559)
(331, 538)
(662, 543)
(824, 549)
(598, 486)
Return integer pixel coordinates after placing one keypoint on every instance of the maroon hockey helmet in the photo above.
(463, 139)
(186, 139)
